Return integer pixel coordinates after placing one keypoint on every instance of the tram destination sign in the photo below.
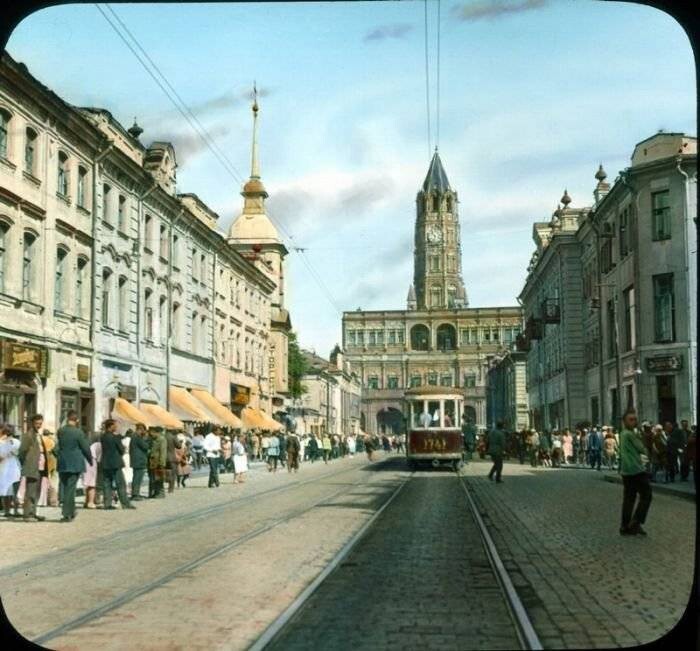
(665, 363)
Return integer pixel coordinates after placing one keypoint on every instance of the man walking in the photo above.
(112, 466)
(685, 457)
(293, 446)
(157, 459)
(497, 441)
(469, 432)
(138, 457)
(595, 448)
(73, 451)
(212, 447)
(634, 477)
(32, 456)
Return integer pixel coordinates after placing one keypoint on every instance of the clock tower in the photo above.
(437, 266)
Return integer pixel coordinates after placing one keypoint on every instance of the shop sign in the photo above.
(20, 357)
(240, 395)
(83, 373)
(127, 391)
(666, 363)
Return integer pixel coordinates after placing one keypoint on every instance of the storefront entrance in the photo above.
(666, 398)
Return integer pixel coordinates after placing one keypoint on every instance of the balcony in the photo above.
(522, 343)
(551, 312)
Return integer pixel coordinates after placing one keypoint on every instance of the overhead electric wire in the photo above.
(437, 107)
(427, 75)
(201, 131)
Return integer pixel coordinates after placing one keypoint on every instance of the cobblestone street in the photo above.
(219, 566)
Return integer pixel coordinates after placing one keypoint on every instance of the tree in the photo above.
(296, 363)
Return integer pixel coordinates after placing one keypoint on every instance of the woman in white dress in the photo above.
(352, 444)
(10, 469)
(240, 460)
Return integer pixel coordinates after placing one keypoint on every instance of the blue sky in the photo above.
(534, 94)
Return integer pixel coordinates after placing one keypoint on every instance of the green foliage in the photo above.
(297, 367)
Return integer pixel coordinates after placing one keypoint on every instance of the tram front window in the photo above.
(434, 411)
(421, 418)
(450, 419)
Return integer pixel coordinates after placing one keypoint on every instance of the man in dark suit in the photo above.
(73, 451)
(112, 464)
(138, 458)
(29, 454)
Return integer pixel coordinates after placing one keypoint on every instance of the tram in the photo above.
(434, 425)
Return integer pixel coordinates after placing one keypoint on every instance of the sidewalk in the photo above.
(684, 489)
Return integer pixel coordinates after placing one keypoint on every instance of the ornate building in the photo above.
(438, 339)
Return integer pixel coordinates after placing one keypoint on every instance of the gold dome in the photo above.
(254, 186)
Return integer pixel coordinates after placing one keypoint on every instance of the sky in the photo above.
(534, 94)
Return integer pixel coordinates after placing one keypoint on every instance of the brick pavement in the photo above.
(418, 579)
(584, 585)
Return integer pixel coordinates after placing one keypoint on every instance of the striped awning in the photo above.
(165, 418)
(215, 407)
(125, 412)
(186, 407)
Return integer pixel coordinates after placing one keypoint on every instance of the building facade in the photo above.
(506, 391)
(438, 339)
(632, 279)
(113, 285)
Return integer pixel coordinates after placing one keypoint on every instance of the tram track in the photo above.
(130, 595)
(274, 636)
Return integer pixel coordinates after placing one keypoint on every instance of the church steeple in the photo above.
(437, 274)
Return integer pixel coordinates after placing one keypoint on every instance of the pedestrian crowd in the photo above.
(40, 468)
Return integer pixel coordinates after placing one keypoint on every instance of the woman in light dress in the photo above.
(240, 460)
(10, 469)
(568, 447)
(90, 476)
(352, 444)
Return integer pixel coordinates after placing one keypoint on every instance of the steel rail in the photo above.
(279, 624)
(523, 626)
(129, 533)
(132, 594)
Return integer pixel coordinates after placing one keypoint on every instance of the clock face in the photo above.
(434, 234)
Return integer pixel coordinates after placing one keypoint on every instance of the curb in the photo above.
(656, 488)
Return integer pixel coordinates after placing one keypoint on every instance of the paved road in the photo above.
(420, 578)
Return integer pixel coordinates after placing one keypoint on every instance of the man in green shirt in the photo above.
(634, 477)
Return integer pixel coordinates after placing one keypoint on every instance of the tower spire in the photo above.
(255, 163)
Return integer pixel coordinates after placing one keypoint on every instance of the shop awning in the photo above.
(127, 413)
(165, 418)
(271, 424)
(252, 418)
(215, 407)
(186, 407)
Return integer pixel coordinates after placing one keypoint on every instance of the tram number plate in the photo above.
(434, 444)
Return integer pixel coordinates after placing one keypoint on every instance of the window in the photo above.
(392, 336)
(106, 296)
(30, 137)
(106, 200)
(148, 315)
(80, 285)
(203, 268)
(624, 234)
(660, 216)
(448, 204)
(399, 336)
(420, 337)
(28, 266)
(203, 335)
(606, 258)
(464, 336)
(59, 288)
(435, 297)
(451, 296)
(630, 329)
(372, 338)
(372, 382)
(446, 380)
(163, 242)
(415, 380)
(664, 309)
(82, 186)
(432, 378)
(434, 263)
(380, 337)
(148, 232)
(436, 203)
(124, 307)
(486, 334)
(195, 271)
(393, 382)
(121, 213)
(195, 332)
(612, 347)
(162, 319)
(63, 171)
(360, 338)
(469, 380)
(450, 263)
(176, 251)
(4, 230)
(175, 324)
(446, 337)
(5, 118)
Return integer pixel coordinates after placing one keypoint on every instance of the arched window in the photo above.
(30, 138)
(451, 296)
(60, 288)
(123, 304)
(446, 337)
(82, 187)
(4, 239)
(203, 335)
(448, 204)
(238, 350)
(195, 272)
(420, 337)
(63, 171)
(28, 265)
(5, 117)
(148, 232)
(436, 203)
(163, 319)
(163, 235)
(175, 324)
(435, 297)
(203, 268)
(80, 285)
(122, 218)
(148, 314)
(106, 298)
(195, 332)
(176, 251)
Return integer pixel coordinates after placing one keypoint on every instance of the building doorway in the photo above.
(665, 398)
